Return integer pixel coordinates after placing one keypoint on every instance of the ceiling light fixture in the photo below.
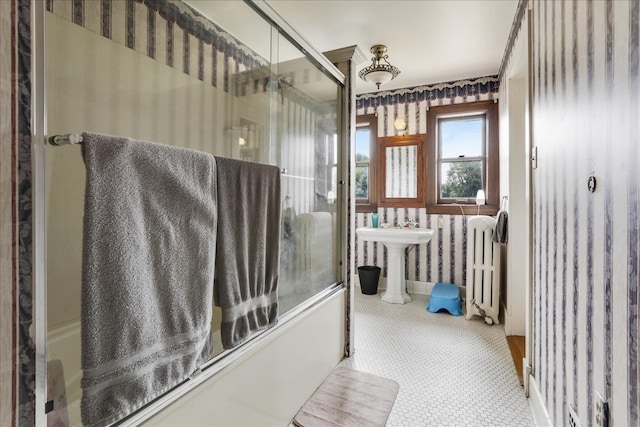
(378, 72)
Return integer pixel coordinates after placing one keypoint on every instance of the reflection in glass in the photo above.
(306, 146)
(218, 94)
(401, 171)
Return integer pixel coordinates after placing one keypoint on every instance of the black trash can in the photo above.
(369, 276)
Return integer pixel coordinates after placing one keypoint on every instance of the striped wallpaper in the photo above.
(440, 260)
(443, 259)
(303, 126)
(586, 123)
(401, 172)
(173, 33)
(305, 150)
(170, 32)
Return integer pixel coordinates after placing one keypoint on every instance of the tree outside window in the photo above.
(363, 165)
(365, 160)
(462, 180)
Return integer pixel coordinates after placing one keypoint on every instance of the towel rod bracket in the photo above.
(69, 139)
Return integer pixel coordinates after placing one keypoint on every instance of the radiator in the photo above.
(314, 246)
(483, 269)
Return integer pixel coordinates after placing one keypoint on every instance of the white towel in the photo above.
(147, 279)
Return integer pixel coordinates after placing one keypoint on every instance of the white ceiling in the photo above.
(430, 41)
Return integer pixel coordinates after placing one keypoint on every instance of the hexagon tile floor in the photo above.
(451, 371)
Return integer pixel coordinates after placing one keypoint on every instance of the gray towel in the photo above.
(500, 232)
(247, 254)
(147, 279)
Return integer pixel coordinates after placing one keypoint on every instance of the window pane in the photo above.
(362, 182)
(460, 179)
(462, 137)
(363, 141)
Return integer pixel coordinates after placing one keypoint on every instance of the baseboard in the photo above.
(416, 287)
(536, 404)
(413, 286)
(506, 319)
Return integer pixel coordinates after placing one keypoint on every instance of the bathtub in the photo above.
(63, 349)
(64, 375)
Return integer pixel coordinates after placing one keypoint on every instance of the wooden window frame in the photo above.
(491, 179)
(370, 204)
(418, 140)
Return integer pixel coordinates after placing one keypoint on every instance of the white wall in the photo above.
(514, 183)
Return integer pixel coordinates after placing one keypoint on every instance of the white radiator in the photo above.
(483, 269)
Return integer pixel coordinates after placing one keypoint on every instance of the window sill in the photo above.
(366, 207)
(450, 209)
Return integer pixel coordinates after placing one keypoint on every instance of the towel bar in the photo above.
(69, 139)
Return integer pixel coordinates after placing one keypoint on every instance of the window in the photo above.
(463, 158)
(366, 182)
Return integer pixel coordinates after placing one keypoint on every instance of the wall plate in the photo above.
(601, 410)
(591, 184)
(574, 421)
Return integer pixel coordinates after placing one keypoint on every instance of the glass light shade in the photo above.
(380, 71)
(400, 124)
(480, 198)
(378, 77)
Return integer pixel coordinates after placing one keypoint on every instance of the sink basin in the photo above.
(396, 240)
(404, 236)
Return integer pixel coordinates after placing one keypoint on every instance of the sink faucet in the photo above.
(409, 224)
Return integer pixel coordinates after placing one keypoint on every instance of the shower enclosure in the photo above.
(220, 77)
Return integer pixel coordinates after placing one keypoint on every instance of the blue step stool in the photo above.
(445, 296)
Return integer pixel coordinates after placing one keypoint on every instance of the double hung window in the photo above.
(463, 158)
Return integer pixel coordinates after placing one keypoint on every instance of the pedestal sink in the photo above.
(396, 240)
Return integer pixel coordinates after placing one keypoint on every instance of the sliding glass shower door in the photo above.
(210, 76)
